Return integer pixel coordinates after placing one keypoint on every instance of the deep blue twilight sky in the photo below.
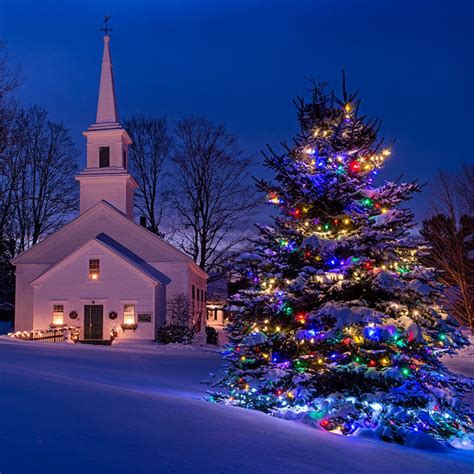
(242, 61)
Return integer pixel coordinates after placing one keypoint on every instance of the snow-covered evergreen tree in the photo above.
(340, 321)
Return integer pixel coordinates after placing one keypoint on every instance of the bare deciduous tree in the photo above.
(148, 155)
(45, 192)
(452, 192)
(465, 188)
(9, 77)
(179, 310)
(450, 234)
(11, 161)
(37, 166)
(10, 139)
(10, 135)
(211, 194)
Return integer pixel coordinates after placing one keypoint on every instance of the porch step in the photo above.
(96, 342)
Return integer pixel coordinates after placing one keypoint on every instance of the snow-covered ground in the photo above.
(139, 409)
(463, 363)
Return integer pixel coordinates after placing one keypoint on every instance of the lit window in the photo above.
(58, 314)
(129, 314)
(94, 269)
(212, 314)
(104, 157)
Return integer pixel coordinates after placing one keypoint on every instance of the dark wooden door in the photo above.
(93, 321)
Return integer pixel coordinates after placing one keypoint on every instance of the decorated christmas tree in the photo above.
(339, 323)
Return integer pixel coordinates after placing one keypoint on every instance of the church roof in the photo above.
(132, 258)
(92, 223)
(119, 250)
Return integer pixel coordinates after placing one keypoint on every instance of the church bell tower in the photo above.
(106, 176)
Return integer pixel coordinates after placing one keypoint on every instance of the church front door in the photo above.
(93, 321)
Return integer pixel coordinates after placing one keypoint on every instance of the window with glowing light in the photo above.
(58, 314)
(94, 269)
(129, 314)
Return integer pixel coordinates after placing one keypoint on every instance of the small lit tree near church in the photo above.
(340, 321)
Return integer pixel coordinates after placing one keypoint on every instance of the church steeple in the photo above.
(107, 105)
(106, 176)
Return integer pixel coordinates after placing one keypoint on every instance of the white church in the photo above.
(102, 272)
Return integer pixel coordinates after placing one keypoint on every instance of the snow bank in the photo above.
(120, 410)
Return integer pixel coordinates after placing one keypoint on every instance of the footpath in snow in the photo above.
(138, 409)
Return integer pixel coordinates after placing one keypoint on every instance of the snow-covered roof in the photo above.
(74, 228)
(133, 258)
(118, 249)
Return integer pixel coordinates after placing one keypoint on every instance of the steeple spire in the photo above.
(107, 106)
(106, 176)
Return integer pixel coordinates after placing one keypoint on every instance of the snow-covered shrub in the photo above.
(211, 336)
(175, 333)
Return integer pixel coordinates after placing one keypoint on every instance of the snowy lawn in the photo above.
(139, 409)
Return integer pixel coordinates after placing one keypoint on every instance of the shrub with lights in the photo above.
(339, 322)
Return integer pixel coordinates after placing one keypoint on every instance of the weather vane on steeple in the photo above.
(106, 28)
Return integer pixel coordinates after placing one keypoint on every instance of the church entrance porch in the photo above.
(93, 321)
